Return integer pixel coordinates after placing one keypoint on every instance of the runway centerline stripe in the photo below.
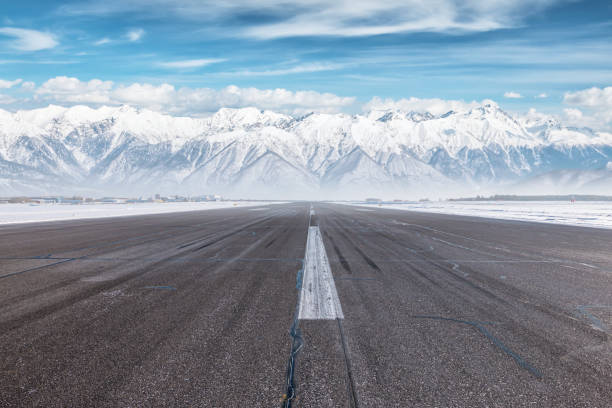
(319, 298)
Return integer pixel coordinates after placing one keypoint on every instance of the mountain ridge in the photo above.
(125, 149)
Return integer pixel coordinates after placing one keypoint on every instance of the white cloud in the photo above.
(573, 114)
(4, 84)
(298, 69)
(160, 97)
(434, 106)
(28, 86)
(339, 18)
(533, 117)
(65, 89)
(29, 40)
(592, 97)
(135, 34)
(187, 64)
(542, 96)
(187, 101)
(6, 100)
(512, 95)
(103, 41)
(595, 107)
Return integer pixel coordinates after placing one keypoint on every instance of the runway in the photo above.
(401, 309)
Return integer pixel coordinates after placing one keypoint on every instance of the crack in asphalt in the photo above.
(297, 342)
(353, 402)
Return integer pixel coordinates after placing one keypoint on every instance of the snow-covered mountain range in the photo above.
(252, 153)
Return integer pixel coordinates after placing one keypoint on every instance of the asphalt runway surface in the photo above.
(195, 309)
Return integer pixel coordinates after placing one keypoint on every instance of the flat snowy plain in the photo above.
(20, 213)
(580, 213)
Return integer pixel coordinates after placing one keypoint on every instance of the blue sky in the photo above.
(542, 54)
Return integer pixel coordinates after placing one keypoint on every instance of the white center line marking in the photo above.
(319, 298)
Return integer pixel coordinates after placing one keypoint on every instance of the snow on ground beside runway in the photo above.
(581, 213)
(20, 213)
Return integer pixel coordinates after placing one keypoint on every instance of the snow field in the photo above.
(21, 213)
(580, 213)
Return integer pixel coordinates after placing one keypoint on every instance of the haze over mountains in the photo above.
(262, 154)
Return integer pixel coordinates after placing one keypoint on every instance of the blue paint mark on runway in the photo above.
(595, 321)
(161, 287)
(300, 276)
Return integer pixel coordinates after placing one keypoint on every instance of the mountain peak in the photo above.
(227, 118)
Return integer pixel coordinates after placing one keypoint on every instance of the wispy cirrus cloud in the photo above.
(28, 40)
(191, 63)
(297, 69)
(38, 62)
(324, 18)
(102, 41)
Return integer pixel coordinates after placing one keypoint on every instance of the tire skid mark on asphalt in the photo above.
(269, 244)
(452, 244)
(454, 271)
(225, 236)
(236, 231)
(499, 248)
(101, 286)
(439, 265)
(8, 275)
(350, 384)
(496, 342)
(124, 240)
(103, 245)
(219, 341)
(507, 289)
(339, 225)
(196, 260)
(547, 309)
(538, 304)
(112, 243)
(365, 257)
(33, 258)
(342, 259)
(378, 261)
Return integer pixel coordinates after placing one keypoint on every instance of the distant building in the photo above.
(44, 200)
(373, 200)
